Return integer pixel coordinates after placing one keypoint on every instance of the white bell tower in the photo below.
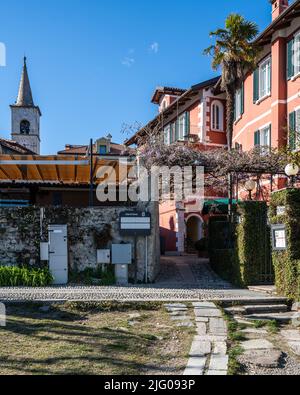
(25, 128)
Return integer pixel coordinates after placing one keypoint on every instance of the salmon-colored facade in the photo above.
(272, 92)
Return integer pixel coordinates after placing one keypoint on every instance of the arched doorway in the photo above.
(194, 232)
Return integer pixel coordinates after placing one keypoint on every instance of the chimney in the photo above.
(278, 7)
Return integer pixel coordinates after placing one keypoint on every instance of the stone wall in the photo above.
(22, 230)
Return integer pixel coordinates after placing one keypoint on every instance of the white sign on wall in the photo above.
(279, 237)
(281, 210)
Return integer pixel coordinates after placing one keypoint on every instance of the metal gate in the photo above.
(58, 253)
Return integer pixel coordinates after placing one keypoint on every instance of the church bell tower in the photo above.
(26, 116)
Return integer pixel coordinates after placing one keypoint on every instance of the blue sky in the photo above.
(94, 64)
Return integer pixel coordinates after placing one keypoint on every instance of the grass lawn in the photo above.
(95, 339)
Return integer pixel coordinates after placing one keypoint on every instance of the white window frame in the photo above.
(296, 55)
(217, 116)
(297, 127)
(265, 78)
(265, 131)
(181, 127)
(167, 130)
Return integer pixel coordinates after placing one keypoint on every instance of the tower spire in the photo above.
(25, 94)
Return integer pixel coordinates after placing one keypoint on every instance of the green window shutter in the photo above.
(187, 124)
(270, 137)
(257, 138)
(243, 98)
(290, 59)
(255, 85)
(234, 106)
(292, 130)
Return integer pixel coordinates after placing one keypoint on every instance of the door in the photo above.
(193, 232)
(58, 253)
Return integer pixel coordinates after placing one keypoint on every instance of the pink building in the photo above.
(268, 105)
(195, 115)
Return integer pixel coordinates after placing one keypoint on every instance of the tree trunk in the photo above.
(230, 96)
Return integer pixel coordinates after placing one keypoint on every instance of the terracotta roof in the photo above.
(14, 146)
(115, 150)
(187, 96)
(283, 21)
(165, 90)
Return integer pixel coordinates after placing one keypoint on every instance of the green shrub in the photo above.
(24, 277)
(240, 253)
(201, 245)
(224, 263)
(253, 243)
(94, 276)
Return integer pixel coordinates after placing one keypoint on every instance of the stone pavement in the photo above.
(185, 278)
(292, 337)
(267, 352)
(208, 354)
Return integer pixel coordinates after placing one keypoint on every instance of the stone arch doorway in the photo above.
(194, 232)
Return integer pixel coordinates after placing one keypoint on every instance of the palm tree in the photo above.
(235, 52)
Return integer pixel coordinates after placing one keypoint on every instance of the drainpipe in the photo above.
(146, 262)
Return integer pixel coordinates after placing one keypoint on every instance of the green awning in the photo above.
(217, 206)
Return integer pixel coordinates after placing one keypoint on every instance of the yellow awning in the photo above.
(65, 170)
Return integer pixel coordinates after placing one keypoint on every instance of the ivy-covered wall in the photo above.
(252, 250)
(287, 263)
(89, 229)
(248, 261)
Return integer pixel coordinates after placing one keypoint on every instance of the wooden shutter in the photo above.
(290, 59)
(292, 130)
(257, 138)
(256, 85)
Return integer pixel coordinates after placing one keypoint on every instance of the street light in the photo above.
(292, 171)
(250, 186)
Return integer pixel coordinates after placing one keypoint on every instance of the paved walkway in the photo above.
(266, 352)
(208, 355)
(184, 278)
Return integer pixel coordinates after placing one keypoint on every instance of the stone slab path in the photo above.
(266, 352)
(208, 354)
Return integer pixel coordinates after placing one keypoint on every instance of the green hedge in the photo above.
(287, 263)
(247, 255)
(20, 276)
(225, 264)
(253, 242)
